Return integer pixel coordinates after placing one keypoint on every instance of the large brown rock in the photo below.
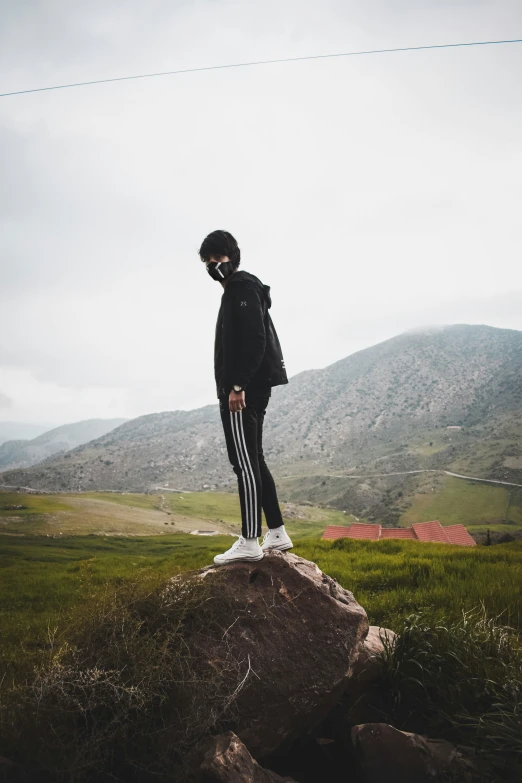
(297, 633)
(228, 761)
(388, 755)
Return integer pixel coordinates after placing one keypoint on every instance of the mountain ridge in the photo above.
(388, 406)
(23, 453)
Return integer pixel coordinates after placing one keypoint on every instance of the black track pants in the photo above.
(244, 438)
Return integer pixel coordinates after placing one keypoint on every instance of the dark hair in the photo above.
(220, 243)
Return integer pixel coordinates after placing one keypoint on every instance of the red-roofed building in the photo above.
(361, 530)
(398, 532)
(336, 531)
(458, 534)
(429, 532)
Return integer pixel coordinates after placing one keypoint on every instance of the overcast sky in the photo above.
(374, 194)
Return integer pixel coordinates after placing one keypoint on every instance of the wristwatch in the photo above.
(237, 389)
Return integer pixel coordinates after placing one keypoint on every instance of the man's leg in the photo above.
(240, 428)
(269, 499)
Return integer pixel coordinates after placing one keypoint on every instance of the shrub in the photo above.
(462, 681)
(126, 694)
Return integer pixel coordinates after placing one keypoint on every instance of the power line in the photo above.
(258, 62)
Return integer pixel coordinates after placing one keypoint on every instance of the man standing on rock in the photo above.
(247, 362)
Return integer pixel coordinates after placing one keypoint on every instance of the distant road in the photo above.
(327, 475)
(170, 489)
(408, 473)
(489, 481)
(74, 492)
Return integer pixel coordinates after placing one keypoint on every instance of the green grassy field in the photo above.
(58, 544)
(130, 514)
(59, 547)
(45, 580)
(49, 580)
(468, 503)
(34, 504)
(41, 577)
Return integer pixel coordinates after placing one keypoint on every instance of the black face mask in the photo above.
(221, 270)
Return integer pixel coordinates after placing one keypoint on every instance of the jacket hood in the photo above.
(247, 276)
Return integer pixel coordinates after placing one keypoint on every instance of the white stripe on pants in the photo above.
(236, 422)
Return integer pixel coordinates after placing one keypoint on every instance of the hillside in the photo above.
(20, 430)
(24, 453)
(129, 514)
(385, 409)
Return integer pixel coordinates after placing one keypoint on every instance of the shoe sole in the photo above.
(280, 548)
(235, 559)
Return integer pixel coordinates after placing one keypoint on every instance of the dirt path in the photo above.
(408, 473)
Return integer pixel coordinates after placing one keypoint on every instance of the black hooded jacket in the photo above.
(246, 350)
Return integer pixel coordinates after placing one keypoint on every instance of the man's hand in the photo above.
(236, 400)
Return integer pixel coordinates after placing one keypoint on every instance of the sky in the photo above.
(374, 194)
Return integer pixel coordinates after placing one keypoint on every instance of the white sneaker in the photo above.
(277, 538)
(242, 549)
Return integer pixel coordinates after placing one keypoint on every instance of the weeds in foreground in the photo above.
(462, 681)
(126, 694)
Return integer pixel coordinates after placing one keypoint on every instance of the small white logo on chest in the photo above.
(243, 304)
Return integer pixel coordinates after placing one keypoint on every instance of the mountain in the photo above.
(23, 453)
(18, 430)
(385, 409)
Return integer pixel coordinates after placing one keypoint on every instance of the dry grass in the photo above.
(101, 515)
(126, 695)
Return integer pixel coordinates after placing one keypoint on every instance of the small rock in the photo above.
(369, 663)
(228, 761)
(392, 756)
